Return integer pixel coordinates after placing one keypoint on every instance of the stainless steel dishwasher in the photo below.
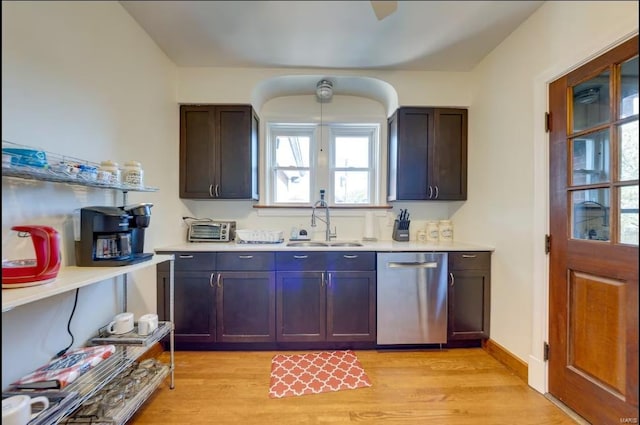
(412, 298)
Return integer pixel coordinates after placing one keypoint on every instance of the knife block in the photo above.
(400, 231)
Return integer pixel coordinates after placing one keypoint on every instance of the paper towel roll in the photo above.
(369, 227)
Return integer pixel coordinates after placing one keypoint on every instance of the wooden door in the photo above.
(593, 304)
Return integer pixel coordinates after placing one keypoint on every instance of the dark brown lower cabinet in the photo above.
(315, 303)
(469, 295)
(351, 297)
(194, 305)
(245, 307)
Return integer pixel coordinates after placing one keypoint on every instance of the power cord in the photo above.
(75, 303)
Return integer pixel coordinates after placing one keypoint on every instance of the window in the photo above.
(342, 159)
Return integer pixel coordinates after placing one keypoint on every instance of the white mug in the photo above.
(16, 410)
(121, 324)
(147, 324)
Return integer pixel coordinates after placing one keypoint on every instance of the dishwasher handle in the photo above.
(412, 265)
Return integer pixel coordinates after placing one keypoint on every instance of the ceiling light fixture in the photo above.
(587, 96)
(324, 90)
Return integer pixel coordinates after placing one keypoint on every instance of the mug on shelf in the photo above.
(121, 324)
(17, 409)
(147, 324)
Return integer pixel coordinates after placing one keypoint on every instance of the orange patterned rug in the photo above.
(314, 373)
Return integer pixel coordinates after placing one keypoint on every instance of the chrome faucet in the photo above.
(327, 218)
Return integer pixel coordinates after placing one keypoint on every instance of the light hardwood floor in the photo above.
(456, 387)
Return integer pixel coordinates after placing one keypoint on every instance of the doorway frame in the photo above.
(538, 368)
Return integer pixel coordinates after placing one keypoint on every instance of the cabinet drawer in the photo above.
(469, 260)
(301, 260)
(250, 261)
(351, 260)
(186, 261)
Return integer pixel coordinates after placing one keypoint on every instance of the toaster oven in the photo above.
(211, 231)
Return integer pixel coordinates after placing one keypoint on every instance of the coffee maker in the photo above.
(139, 219)
(112, 236)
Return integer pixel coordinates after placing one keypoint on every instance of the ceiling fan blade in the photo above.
(382, 9)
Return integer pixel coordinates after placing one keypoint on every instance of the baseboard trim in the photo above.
(505, 357)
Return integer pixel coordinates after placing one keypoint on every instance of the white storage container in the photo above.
(446, 230)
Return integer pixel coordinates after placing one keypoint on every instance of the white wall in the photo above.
(507, 205)
(82, 79)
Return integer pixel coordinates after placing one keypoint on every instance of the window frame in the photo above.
(322, 154)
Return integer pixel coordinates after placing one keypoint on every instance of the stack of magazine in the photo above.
(63, 370)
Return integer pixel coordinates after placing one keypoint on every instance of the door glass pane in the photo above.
(629, 88)
(591, 102)
(590, 210)
(629, 215)
(351, 187)
(591, 158)
(351, 152)
(628, 151)
(292, 151)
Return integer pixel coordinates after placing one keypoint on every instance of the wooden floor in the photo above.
(457, 386)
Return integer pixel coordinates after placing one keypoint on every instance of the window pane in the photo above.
(628, 143)
(629, 215)
(292, 186)
(292, 151)
(629, 87)
(351, 187)
(591, 102)
(590, 214)
(351, 152)
(591, 158)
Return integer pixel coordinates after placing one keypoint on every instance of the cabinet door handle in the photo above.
(219, 281)
(350, 257)
(430, 192)
(328, 280)
(245, 257)
(300, 257)
(468, 256)
(437, 192)
(211, 191)
(217, 191)
(322, 280)
(185, 256)
(453, 280)
(211, 280)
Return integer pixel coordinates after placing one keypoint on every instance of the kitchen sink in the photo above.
(345, 244)
(307, 243)
(327, 244)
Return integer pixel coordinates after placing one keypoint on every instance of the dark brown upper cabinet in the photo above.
(427, 154)
(218, 152)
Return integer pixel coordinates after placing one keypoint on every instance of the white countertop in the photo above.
(70, 278)
(378, 246)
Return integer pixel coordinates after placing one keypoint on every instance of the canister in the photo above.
(132, 174)
(112, 167)
(433, 234)
(446, 230)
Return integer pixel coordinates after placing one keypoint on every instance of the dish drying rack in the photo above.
(259, 236)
